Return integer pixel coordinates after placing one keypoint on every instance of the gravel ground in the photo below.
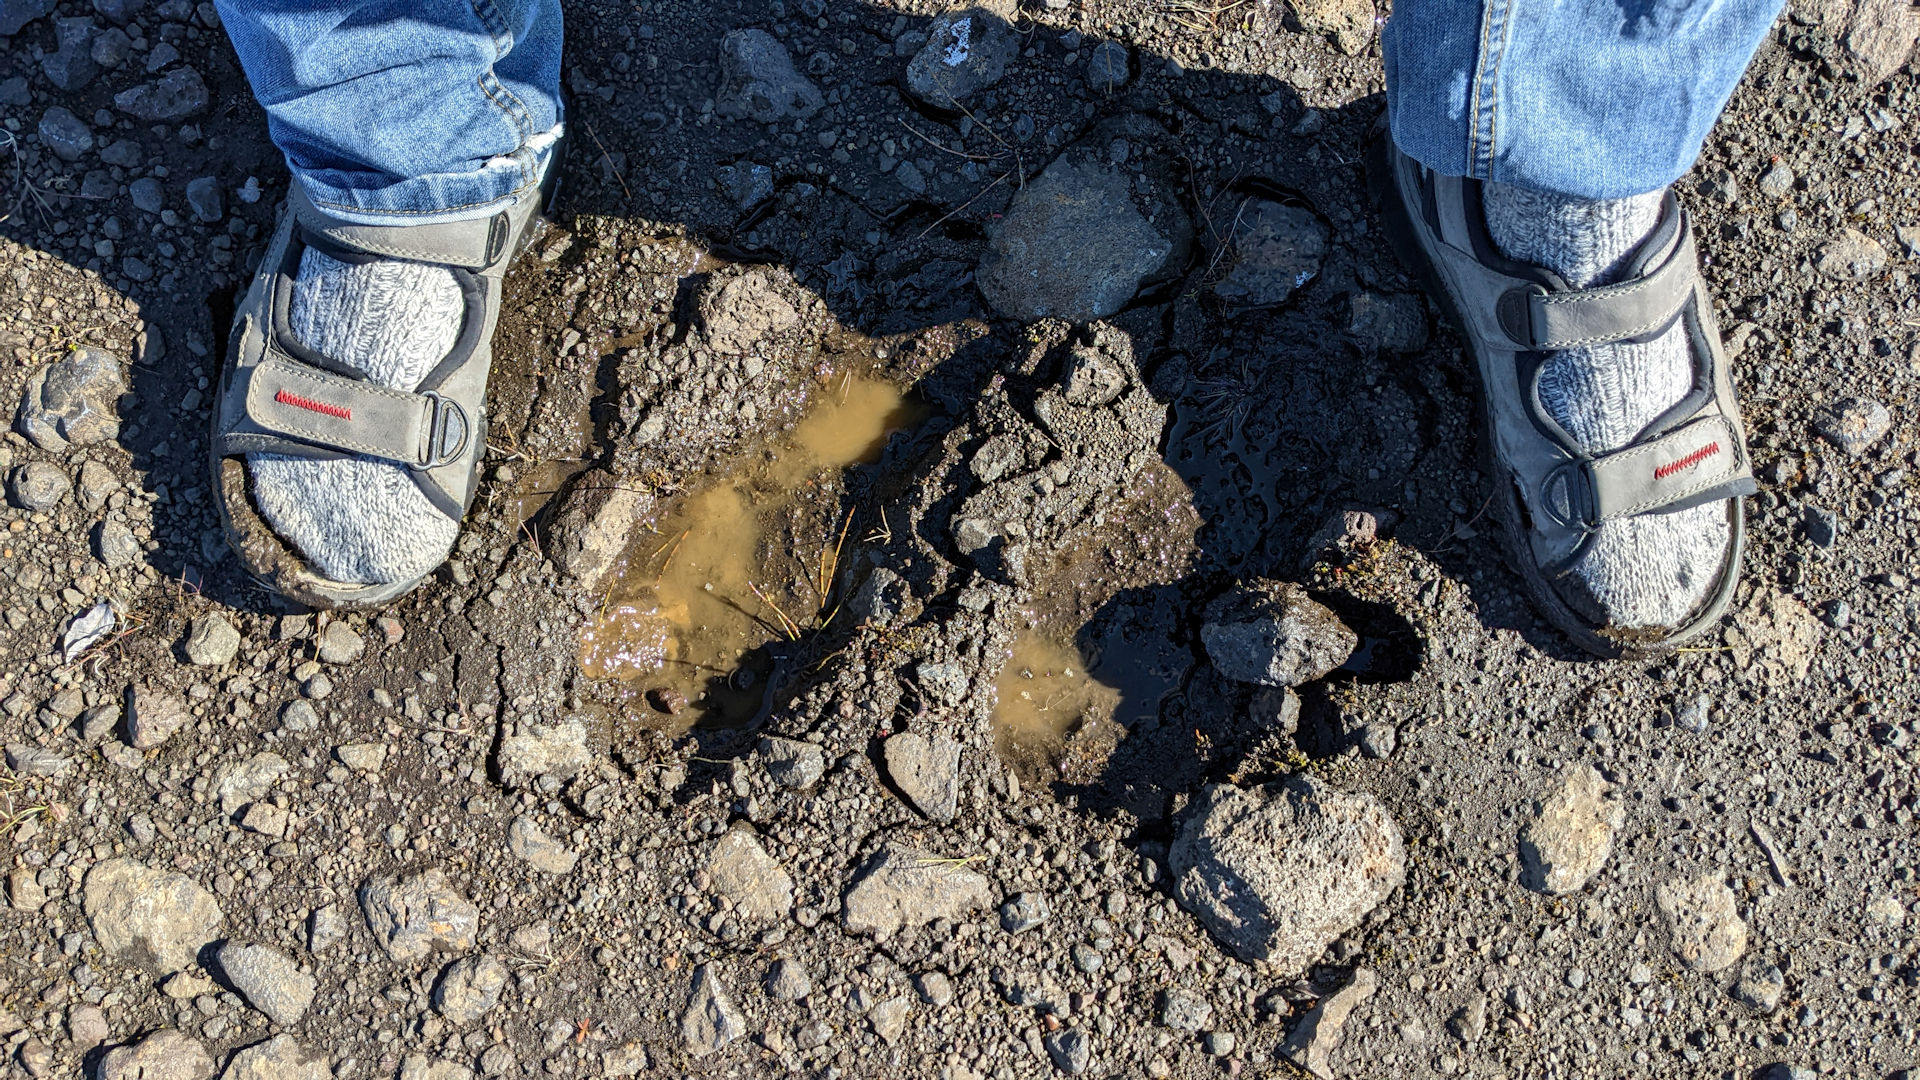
(1356, 811)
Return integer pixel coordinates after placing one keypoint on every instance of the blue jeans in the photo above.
(1599, 99)
(392, 111)
(397, 111)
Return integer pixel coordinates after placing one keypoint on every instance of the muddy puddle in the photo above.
(714, 594)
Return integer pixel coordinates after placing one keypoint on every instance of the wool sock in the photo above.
(1651, 570)
(362, 520)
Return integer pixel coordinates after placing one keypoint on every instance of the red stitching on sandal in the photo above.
(1687, 462)
(288, 397)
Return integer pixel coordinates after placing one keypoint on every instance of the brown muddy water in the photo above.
(711, 590)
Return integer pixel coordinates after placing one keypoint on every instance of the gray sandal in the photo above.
(1551, 495)
(277, 395)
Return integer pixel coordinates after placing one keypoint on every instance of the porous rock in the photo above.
(153, 919)
(902, 888)
(1277, 872)
(1571, 833)
(1273, 634)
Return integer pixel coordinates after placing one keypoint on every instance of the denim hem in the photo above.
(377, 199)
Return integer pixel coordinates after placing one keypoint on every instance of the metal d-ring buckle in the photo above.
(1574, 482)
(443, 446)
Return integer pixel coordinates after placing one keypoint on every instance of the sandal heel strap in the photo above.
(475, 244)
(1544, 320)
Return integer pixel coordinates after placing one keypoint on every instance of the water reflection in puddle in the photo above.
(709, 597)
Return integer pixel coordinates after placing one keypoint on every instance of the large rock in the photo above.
(1851, 256)
(758, 81)
(1704, 926)
(75, 400)
(163, 1055)
(710, 1020)
(1571, 833)
(469, 989)
(752, 880)
(792, 763)
(966, 51)
(1278, 872)
(1082, 238)
(212, 641)
(153, 919)
(902, 888)
(1272, 633)
(279, 1058)
(269, 980)
(927, 772)
(1881, 37)
(412, 916)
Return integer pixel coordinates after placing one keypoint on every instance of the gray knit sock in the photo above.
(362, 520)
(1647, 571)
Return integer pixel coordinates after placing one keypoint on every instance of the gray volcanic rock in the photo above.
(1277, 872)
(1272, 633)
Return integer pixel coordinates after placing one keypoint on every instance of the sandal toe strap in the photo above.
(288, 407)
(1701, 461)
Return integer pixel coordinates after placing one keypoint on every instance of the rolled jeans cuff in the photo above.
(375, 199)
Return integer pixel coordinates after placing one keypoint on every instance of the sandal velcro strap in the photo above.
(1546, 320)
(471, 245)
(1698, 462)
(285, 400)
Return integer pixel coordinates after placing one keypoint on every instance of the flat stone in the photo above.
(469, 989)
(557, 750)
(1275, 250)
(966, 52)
(279, 1058)
(412, 916)
(212, 641)
(238, 783)
(163, 1055)
(422, 1067)
(758, 80)
(1314, 1040)
(792, 763)
(1272, 633)
(1853, 424)
(927, 772)
(269, 980)
(1277, 872)
(889, 1019)
(28, 760)
(710, 1020)
(593, 524)
(527, 840)
(1109, 67)
(152, 919)
(903, 888)
(1760, 987)
(1704, 926)
(752, 880)
(339, 644)
(1851, 256)
(1571, 833)
(367, 757)
(73, 401)
(172, 97)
